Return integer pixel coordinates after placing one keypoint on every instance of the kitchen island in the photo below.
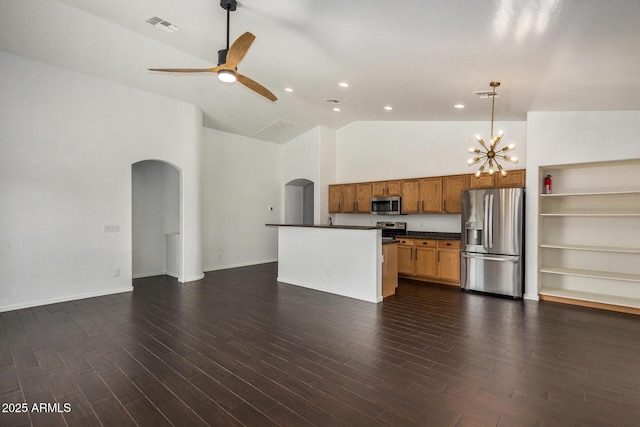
(340, 259)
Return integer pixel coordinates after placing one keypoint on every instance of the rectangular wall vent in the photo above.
(162, 24)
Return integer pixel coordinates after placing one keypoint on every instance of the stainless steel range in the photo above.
(391, 230)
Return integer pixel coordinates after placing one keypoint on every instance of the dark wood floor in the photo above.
(236, 348)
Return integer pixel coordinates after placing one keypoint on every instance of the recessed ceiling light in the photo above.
(336, 109)
(288, 89)
(343, 84)
(458, 106)
(388, 108)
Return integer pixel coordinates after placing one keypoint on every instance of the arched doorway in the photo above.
(299, 202)
(156, 243)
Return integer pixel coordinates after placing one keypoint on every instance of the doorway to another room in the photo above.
(156, 242)
(299, 202)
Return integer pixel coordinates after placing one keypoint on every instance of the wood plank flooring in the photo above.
(237, 348)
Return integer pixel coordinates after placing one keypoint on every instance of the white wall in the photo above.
(311, 156)
(373, 151)
(241, 178)
(156, 212)
(556, 138)
(67, 143)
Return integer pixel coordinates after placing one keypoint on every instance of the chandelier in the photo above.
(489, 155)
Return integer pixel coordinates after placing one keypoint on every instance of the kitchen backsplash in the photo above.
(448, 223)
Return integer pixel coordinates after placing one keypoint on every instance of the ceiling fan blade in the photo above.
(186, 70)
(256, 87)
(239, 49)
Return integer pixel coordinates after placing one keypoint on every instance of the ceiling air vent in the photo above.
(483, 94)
(273, 129)
(162, 24)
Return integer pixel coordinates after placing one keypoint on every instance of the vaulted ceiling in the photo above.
(419, 57)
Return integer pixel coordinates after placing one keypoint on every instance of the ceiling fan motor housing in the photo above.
(222, 56)
(228, 4)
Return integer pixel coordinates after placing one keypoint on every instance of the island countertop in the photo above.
(337, 227)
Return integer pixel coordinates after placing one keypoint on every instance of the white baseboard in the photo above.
(247, 264)
(65, 299)
(143, 275)
(191, 279)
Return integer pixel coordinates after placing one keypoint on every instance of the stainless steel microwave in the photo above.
(389, 205)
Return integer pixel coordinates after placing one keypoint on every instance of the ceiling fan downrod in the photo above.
(229, 6)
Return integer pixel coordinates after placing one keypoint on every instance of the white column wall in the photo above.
(241, 178)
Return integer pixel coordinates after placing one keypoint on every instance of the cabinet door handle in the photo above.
(445, 205)
(438, 256)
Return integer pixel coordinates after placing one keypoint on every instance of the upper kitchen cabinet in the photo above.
(363, 197)
(422, 195)
(514, 178)
(386, 188)
(482, 181)
(335, 198)
(431, 194)
(349, 198)
(452, 188)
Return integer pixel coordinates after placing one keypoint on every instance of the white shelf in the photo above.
(591, 297)
(596, 206)
(594, 214)
(611, 275)
(567, 246)
(601, 193)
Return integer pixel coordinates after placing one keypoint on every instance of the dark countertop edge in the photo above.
(390, 242)
(434, 235)
(338, 227)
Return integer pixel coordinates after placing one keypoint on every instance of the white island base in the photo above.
(342, 260)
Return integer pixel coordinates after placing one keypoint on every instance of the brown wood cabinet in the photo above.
(452, 188)
(514, 178)
(363, 197)
(389, 269)
(429, 260)
(349, 198)
(422, 195)
(449, 260)
(335, 198)
(426, 258)
(386, 188)
(406, 265)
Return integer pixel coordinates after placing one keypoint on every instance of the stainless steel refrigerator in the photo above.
(492, 250)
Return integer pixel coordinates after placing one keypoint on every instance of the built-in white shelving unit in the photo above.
(589, 242)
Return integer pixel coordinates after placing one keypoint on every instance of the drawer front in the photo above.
(449, 244)
(422, 243)
(406, 242)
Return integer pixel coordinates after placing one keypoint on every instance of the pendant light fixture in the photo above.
(489, 155)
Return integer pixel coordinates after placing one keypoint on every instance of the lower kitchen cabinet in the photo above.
(429, 260)
(449, 260)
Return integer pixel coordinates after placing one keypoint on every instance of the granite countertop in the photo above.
(435, 235)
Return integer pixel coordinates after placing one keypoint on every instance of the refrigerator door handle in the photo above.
(485, 225)
(491, 221)
(490, 258)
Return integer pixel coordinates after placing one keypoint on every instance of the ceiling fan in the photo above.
(228, 60)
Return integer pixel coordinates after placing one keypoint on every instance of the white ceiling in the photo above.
(419, 56)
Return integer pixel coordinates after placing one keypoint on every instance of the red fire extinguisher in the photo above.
(547, 184)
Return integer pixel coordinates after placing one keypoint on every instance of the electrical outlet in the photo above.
(112, 228)
(219, 255)
(116, 272)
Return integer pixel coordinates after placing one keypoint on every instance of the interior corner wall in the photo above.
(241, 179)
(311, 156)
(558, 138)
(67, 143)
